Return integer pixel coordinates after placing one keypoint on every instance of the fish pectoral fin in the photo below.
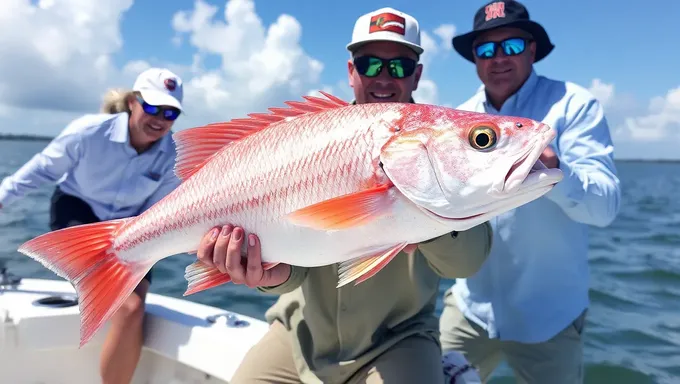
(346, 211)
(200, 277)
(363, 268)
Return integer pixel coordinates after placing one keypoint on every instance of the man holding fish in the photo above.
(383, 330)
(350, 211)
(529, 300)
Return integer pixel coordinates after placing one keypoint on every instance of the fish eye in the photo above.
(482, 137)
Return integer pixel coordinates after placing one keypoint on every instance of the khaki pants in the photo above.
(413, 360)
(556, 361)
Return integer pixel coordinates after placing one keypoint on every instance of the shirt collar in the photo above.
(120, 133)
(519, 98)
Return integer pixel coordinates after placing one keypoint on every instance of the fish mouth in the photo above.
(482, 213)
(528, 172)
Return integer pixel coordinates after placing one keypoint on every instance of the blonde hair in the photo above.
(115, 100)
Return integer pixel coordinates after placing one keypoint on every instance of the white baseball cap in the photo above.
(386, 24)
(160, 86)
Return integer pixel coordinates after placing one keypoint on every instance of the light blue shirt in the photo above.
(535, 281)
(93, 160)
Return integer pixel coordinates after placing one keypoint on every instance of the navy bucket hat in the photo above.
(496, 14)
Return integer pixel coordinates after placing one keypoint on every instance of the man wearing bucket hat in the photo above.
(528, 301)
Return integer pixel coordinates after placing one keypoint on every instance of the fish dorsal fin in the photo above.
(196, 146)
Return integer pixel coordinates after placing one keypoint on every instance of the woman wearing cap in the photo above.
(111, 165)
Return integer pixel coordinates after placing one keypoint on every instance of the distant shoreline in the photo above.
(11, 137)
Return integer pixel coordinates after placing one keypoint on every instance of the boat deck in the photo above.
(185, 342)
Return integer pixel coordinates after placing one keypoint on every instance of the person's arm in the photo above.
(458, 254)
(590, 192)
(296, 278)
(48, 166)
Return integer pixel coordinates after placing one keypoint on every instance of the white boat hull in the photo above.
(39, 344)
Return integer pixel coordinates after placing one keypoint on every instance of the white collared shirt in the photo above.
(93, 160)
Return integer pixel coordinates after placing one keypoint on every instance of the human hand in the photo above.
(221, 248)
(549, 158)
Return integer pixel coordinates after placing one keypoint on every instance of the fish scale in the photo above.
(265, 183)
(321, 182)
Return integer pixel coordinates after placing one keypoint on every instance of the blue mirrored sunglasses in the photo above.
(168, 113)
(511, 47)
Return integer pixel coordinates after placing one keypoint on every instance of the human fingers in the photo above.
(204, 253)
(234, 266)
(220, 248)
(254, 271)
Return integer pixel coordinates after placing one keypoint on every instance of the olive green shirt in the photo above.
(336, 331)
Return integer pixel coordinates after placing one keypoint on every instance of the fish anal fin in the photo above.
(363, 268)
(196, 146)
(345, 211)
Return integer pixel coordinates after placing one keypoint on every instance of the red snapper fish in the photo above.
(321, 182)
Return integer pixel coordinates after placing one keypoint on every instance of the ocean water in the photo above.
(633, 329)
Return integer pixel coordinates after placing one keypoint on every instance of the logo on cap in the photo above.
(387, 22)
(170, 84)
(495, 10)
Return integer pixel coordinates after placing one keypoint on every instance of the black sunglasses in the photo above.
(398, 67)
(168, 113)
(511, 47)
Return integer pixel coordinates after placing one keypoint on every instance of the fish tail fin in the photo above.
(84, 256)
(201, 277)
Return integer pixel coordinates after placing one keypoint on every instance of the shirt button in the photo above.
(343, 307)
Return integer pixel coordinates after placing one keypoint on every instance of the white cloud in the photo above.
(427, 91)
(56, 55)
(260, 65)
(56, 61)
(602, 91)
(636, 128)
(662, 121)
(446, 32)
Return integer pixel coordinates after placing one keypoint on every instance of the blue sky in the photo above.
(592, 38)
(625, 47)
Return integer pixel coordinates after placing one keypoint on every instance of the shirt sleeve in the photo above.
(295, 280)
(48, 166)
(590, 191)
(458, 254)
